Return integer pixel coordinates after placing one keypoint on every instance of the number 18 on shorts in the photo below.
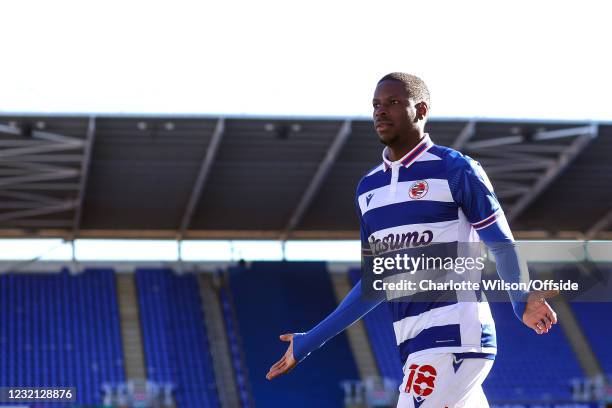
(444, 381)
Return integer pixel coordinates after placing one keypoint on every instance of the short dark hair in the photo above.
(414, 85)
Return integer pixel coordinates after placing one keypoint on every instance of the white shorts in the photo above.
(444, 381)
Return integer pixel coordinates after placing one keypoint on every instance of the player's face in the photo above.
(394, 112)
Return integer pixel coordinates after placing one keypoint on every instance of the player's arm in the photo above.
(531, 308)
(473, 191)
(351, 309)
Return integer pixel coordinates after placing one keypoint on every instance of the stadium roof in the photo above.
(274, 177)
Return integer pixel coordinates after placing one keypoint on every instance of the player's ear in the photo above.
(421, 110)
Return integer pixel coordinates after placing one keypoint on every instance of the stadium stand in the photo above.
(529, 367)
(272, 298)
(61, 330)
(235, 348)
(592, 309)
(379, 325)
(175, 337)
(597, 327)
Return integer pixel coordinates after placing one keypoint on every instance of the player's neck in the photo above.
(403, 146)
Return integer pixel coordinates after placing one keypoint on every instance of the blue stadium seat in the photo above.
(234, 348)
(529, 367)
(175, 337)
(272, 298)
(56, 331)
(379, 326)
(595, 319)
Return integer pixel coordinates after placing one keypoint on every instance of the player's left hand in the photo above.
(538, 314)
(285, 364)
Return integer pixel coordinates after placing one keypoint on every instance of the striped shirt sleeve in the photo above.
(473, 192)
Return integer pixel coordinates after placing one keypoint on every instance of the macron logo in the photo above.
(369, 198)
(456, 362)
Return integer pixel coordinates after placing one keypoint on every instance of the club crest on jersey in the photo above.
(418, 189)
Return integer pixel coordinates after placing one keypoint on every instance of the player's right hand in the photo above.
(286, 363)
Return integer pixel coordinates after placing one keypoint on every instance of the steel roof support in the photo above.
(46, 186)
(11, 130)
(559, 133)
(14, 215)
(599, 226)
(42, 148)
(56, 175)
(198, 186)
(24, 168)
(553, 171)
(465, 135)
(85, 164)
(495, 142)
(532, 148)
(317, 180)
(501, 169)
(33, 197)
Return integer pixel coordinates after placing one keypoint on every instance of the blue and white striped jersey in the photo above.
(433, 194)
